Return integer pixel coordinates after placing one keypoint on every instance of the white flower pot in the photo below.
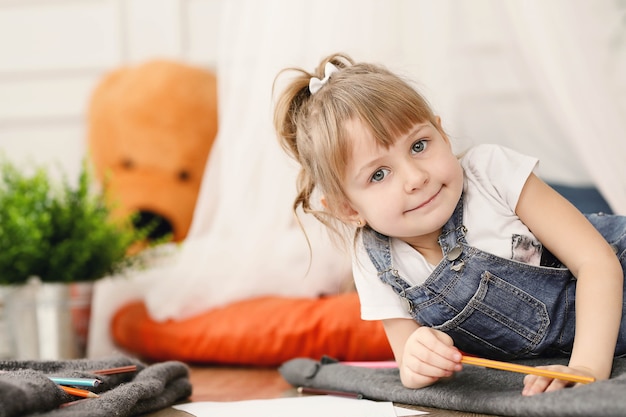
(45, 321)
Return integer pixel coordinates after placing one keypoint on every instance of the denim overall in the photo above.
(492, 306)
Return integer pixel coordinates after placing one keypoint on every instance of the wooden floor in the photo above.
(236, 384)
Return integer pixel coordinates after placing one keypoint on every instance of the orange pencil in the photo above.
(79, 392)
(505, 366)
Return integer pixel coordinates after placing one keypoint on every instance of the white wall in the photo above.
(53, 52)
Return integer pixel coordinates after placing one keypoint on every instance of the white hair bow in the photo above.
(315, 83)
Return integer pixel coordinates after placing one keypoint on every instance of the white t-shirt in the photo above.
(494, 178)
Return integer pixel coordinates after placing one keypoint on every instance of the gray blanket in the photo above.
(26, 389)
(475, 389)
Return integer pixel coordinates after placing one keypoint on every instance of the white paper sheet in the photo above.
(310, 406)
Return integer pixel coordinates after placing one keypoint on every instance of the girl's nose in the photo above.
(415, 177)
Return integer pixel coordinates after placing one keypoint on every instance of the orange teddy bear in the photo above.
(151, 128)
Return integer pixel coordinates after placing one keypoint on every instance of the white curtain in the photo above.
(565, 48)
(244, 241)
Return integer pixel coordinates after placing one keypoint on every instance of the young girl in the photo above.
(472, 254)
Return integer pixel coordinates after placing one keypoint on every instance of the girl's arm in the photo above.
(562, 229)
(424, 355)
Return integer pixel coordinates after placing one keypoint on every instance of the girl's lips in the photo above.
(425, 203)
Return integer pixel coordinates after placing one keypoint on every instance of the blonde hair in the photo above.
(311, 127)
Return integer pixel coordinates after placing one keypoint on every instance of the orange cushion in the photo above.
(265, 331)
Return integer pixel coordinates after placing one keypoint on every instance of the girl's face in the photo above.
(408, 191)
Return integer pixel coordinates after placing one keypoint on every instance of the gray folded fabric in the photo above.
(475, 389)
(26, 390)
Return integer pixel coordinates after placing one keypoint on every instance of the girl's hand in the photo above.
(534, 384)
(428, 356)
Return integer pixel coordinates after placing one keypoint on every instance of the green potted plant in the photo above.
(56, 238)
(60, 232)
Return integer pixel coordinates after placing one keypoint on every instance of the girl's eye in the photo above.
(379, 175)
(418, 146)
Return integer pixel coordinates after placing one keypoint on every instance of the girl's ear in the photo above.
(346, 213)
(440, 129)
(438, 126)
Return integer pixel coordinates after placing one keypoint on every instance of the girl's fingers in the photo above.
(539, 384)
(534, 384)
(433, 354)
(432, 339)
(431, 363)
(429, 355)
(443, 346)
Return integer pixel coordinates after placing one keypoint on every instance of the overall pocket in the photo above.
(499, 321)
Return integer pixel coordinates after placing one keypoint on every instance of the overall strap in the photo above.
(453, 232)
(378, 248)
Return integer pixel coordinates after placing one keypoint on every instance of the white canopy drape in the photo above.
(564, 49)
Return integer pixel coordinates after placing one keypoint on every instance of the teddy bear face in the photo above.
(151, 129)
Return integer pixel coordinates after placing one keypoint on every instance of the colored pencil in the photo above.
(77, 392)
(307, 390)
(505, 366)
(79, 382)
(117, 370)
